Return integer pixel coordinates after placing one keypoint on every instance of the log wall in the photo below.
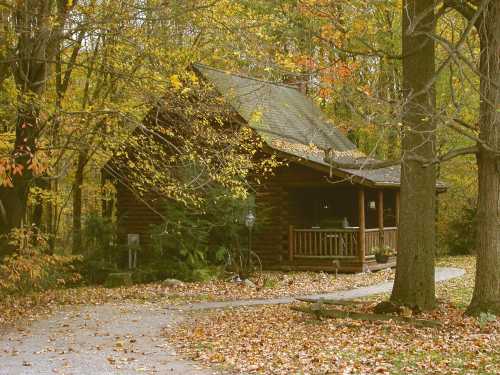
(134, 216)
(281, 201)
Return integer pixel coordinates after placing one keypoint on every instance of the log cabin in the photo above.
(322, 217)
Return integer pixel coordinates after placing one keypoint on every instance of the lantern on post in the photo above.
(249, 223)
(133, 244)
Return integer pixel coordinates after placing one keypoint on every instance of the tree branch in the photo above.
(467, 134)
(462, 7)
(456, 153)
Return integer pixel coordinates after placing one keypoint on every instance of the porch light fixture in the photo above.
(372, 205)
(133, 244)
(250, 220)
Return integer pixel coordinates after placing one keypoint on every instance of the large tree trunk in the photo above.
(14, 199)
(77, 202)
(486, 295)
(414, 283)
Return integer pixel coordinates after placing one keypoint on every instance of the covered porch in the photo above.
(340, 229)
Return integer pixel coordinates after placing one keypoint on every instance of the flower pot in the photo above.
(381, 258)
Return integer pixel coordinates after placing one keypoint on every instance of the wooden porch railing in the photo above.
(323, 243)
(374, 238)
(337, 243)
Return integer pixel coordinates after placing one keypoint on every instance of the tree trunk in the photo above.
(77, 202)
(486, 296)
(12, 208)
(38, 209)
(14, 199)
(414, 282)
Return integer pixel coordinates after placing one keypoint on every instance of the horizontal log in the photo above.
(340, 314)
(342, 302)
(325, 257)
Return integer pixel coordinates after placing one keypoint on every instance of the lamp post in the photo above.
(249, 222)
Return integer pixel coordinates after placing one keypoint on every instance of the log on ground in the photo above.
(341, 314)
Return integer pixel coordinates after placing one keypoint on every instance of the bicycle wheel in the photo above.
(252, 265)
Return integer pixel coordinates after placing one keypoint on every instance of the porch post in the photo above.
(380, 216)
(362, 226)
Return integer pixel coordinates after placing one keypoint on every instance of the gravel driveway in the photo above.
(107, 339)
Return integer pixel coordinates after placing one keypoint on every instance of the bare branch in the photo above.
(456, 153)
(462, 7)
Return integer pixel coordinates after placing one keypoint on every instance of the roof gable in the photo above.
(277, 111)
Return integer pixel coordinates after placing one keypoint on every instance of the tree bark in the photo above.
(77, 202)
(14, 199)
(486, 296)
(414, 282)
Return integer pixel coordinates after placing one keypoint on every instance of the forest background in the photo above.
(97, 67)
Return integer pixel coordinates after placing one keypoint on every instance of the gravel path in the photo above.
(93, 340)
(442, 274)
(124, 338)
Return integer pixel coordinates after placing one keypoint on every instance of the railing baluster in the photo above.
(351, 248)
(300, 242)
(343, 248)
(330, 250)
(351, 244)
(336, 245)
(309, 244)
(320, 236)
(299, 239)
(321, 244)
(314, 247)
(345, 245)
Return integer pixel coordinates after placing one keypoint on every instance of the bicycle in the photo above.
(241, 264)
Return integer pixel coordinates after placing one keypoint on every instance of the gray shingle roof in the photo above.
(290, 122)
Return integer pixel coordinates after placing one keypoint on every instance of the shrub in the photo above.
(118, 279)
(188, 245)
(95, 271)
(31, 268)
(20, 274)
(99, 238)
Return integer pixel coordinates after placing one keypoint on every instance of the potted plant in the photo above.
(383, 253)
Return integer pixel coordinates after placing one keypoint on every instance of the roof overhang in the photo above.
(340, 173)
(344, 175)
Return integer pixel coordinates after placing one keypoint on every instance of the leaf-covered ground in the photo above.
(278, 340)
(270, 284)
